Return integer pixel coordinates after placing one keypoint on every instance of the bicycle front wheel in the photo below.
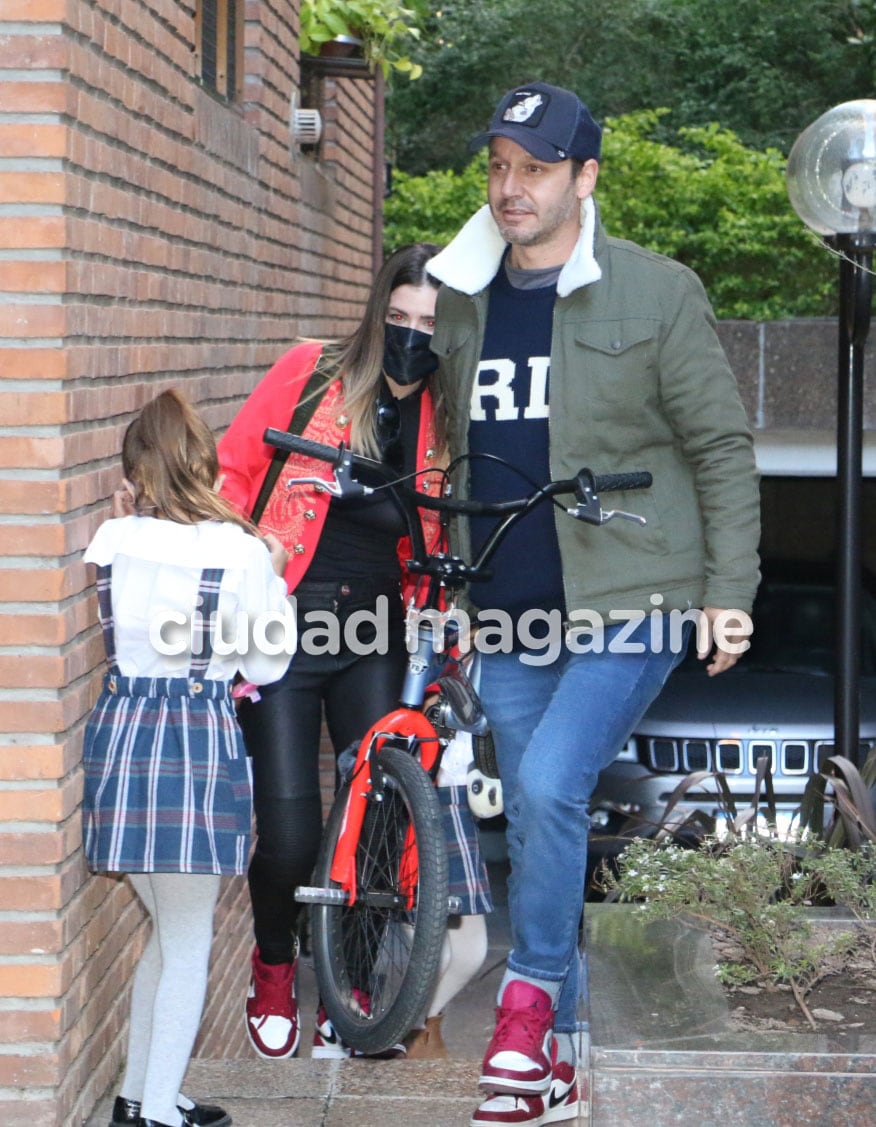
(377, 960)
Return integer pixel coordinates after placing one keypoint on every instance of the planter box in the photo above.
(663, 1051)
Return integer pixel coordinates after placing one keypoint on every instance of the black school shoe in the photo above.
(126, 1113)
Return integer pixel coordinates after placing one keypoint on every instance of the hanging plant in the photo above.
(385, 28)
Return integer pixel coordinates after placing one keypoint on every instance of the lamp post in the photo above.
(831, 179)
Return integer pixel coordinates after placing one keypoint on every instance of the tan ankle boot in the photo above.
(427, 1044)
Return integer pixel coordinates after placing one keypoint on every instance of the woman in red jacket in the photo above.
(370, 391)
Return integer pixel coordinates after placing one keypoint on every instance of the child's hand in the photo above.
(279, 555)
(123, 500)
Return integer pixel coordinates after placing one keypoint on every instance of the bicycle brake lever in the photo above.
(344, 484)
(597, 515)
(610, 514)
(588, 507)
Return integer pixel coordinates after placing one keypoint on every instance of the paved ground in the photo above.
(664, 1052)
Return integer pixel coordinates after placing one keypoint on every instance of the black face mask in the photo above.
(407, 358)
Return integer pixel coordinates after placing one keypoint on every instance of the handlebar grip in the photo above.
(294, 444)
(614, 482)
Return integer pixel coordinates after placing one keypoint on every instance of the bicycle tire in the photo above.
(376, 965)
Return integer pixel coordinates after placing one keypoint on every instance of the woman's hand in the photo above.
(279, 555)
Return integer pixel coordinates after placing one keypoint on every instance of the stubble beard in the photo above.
(554, 218)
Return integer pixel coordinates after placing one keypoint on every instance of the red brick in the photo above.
(32, 231)
(20, 408)
(29, 1071)
(35, 585)
(27, 140)
(32, 187)
(29, 1025)
(40, 805)
(47, 848)
(51, 628)
(33, 97)
(33, 321)
(38, 894)
(33, 363)
(35, 761)
(29, 980)
(46, 716)
(34, 11)
(19, 496)
(51, 539)
(39, 1112)
(30, 937)
(33, 277)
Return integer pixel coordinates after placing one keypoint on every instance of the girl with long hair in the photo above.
(168, 799)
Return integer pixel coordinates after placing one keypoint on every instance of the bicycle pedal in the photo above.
(309, 895)
(454, 905)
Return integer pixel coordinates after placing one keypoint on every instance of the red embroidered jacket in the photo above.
(296, 516)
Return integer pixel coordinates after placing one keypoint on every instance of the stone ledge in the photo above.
(661, 1041)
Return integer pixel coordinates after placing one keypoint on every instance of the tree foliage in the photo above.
(697, 194)
(763, 68)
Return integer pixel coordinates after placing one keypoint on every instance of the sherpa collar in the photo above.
(471, 259)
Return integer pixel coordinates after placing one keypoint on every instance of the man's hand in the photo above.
(724, 639)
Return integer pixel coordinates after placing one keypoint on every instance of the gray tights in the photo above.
(169, 988)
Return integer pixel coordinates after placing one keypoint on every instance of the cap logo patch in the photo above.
(526, 108)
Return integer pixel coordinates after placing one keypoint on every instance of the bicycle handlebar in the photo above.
(444, 568)
(341, 458)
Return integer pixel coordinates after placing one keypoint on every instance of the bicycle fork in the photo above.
(414, 727)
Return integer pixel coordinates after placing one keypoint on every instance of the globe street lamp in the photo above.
(831, 179)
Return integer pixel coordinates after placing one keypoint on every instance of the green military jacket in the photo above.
(638, 381)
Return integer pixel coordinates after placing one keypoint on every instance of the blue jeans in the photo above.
(555, 728)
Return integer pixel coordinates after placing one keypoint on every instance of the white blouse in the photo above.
(156, 570)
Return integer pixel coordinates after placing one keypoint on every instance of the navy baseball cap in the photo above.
(551, 123)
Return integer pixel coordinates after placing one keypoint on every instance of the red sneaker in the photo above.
(518, 1059)
(560, 1103)
(272, 1023)
(328, 1045)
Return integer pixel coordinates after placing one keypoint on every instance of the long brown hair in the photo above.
(169, 456)
(358, 358)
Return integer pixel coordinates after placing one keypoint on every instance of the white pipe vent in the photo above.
(305, 126)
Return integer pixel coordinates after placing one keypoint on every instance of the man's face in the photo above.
(535, 202)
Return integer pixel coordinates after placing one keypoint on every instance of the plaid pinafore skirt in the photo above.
(167, 780)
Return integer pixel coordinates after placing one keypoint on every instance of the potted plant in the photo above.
(385, 29)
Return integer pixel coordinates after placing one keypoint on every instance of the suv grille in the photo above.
(737, 757)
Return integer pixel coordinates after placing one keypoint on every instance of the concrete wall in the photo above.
(788, 372)
(150, 235)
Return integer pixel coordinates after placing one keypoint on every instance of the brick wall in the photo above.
(150, 236)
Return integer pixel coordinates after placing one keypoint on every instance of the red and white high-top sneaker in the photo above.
(272, 1023)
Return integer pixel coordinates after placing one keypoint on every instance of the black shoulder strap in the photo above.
(301, 417)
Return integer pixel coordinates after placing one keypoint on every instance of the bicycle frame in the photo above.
(411, 723)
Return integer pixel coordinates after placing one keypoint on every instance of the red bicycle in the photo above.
(379, 902)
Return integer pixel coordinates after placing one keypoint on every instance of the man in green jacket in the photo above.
(560, 348)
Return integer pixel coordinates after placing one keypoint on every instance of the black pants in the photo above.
(282, 735)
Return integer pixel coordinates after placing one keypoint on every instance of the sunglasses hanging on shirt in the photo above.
(387, 426)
